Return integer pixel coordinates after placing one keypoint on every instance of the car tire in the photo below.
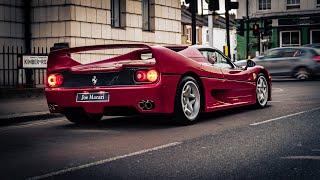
(262, 91)
(302, 74)
(79, 117)
(187, 102)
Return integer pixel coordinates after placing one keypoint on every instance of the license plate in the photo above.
(93, 97)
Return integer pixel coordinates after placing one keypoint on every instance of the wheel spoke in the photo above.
(192, 96)
(192, 102)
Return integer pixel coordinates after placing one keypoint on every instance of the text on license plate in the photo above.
(93, 97)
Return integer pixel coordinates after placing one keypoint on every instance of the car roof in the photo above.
(294, 47)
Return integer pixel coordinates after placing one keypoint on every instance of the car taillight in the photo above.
(146, 76)
(55, 80)
(316, 58)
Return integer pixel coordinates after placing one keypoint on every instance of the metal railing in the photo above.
(13, 75)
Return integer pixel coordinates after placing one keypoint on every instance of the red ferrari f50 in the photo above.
(178, 80)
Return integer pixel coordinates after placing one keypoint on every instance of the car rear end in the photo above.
(122, 85)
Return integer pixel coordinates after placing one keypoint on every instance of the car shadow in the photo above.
(153, 122)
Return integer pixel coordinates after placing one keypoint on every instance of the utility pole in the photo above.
(227, 26)
(194, 10)
(248, 28)
(228, 6)
(27, 39)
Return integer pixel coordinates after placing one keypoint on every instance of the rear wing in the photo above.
(61, 59)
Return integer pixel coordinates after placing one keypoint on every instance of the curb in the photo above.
(25, 117)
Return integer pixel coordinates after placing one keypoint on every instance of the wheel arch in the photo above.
(295, 69)
(201, 86)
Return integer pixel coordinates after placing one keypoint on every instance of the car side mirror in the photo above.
(250, 63)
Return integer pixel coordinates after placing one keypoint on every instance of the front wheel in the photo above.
(79, 117)
(262, 91)
(187, 101)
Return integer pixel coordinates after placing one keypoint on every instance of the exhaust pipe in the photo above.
(146, 104)
(53, 108)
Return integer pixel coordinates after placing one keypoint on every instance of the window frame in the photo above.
(114, 12)
(266, 3)
(312, 36)
(290, 6)
(286, 45)
(120, 11)
(149, 16)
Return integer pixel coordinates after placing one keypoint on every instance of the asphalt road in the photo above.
(281, 141)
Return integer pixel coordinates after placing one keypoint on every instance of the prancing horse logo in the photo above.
(94, 80)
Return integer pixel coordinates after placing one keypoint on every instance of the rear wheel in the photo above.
(302, 74)
(262, 90)
(79, 117)
(188, 101)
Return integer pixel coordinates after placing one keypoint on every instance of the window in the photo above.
(318, 3)
(117, 13)
(289, 38)
(293, 4)
(188, 33)
(264, 4)
(315, 36)
(147, 15)
(216, 58)
(275, 53)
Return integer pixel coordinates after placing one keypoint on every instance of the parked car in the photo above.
(299, 62)
(178, 80)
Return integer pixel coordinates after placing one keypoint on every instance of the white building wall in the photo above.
(89, 23)
(220, 39)
(11, 23)
(277, 6)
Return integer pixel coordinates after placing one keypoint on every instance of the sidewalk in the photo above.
(22, 107)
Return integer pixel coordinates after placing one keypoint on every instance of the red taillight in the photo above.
(316, 58)
(146, 75)
(55, 80)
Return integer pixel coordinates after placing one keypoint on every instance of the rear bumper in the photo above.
(120, 98)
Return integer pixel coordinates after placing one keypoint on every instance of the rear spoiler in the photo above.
(97, 47)
(60, 59)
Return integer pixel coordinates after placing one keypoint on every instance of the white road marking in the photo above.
(63, 171)
(302, 157)
(282, 117)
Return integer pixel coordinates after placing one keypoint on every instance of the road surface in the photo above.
(281, 141)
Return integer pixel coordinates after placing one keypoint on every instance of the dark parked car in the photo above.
(299, 62)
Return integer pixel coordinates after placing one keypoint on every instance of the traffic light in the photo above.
(188, 1)
(231, 5)
(213, 5)
(256, 30)
(267, 25)
(240, 27)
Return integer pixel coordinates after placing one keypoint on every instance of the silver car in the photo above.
(299, 62)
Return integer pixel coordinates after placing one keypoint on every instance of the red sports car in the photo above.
(182, 81)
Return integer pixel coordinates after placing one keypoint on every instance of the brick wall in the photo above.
(11, 23)
(88, 22)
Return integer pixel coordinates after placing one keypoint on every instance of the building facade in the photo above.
(294, 23)
(38, 24)
(90, 22)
